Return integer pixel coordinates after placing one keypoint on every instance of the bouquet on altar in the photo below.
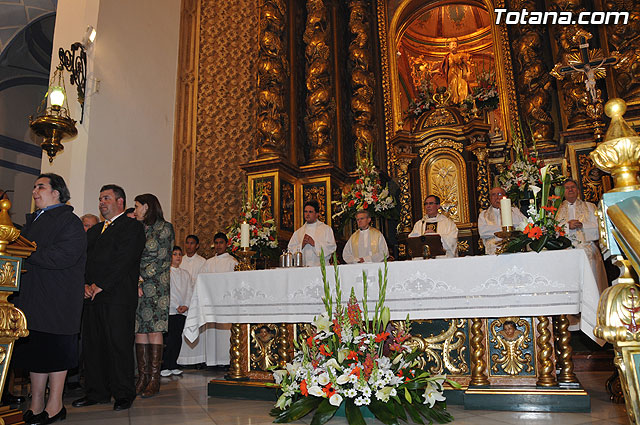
(542, 229)
(520, 176)
(366, 193)
(423, 101)
(358, 360)
(486, 92)
(263, 236)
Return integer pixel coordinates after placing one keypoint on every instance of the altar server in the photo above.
(445, 227)
(581, 224)
(222, 262)
(192, 262)
(490, 220)
(313, 237)
(367, 244)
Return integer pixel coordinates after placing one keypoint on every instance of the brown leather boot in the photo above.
(142, 356)
(153, 387)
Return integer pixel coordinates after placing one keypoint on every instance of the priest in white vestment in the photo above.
(212, 345)
(445, 227)
(192, 261)
(313, 237)
(367, 244)
(581, 225)
(490, 220)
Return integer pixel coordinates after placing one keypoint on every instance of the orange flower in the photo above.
(560, 231)
(550, 209)
(303, 388)
(356, 371)
(352, 203)
(328, 390)
(352, 355)
(310, 342)
(365, 205)
(324, 350)
(553, 197)
(533, 232)
(382, 336)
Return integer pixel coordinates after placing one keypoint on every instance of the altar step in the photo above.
(520, 399)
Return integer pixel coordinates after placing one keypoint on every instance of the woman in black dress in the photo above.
(51, 296)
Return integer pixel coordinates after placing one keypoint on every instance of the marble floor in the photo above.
(183, 400)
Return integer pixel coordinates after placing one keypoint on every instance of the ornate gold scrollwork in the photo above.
(319, 193)
(406, 222)
(272, 72)
(511, 342)
(440, 117)
(532, 75)
(463, 246)
(318, 80)
(439, 348)
(441, 143)
(362, 80)
(483, 178)
(264, 346)
(592, 188)
(13, 323)
(8, 275)
(622, 38)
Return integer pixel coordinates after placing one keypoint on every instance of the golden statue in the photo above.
(511, 342)
(456, 68)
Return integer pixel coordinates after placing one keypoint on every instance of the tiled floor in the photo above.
(183, 400)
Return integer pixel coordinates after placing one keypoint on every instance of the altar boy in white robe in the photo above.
(581, 225)
(192, 261)
(367, 244)
(445, 227)
(212, 345)
(490, 220)
(313, 237)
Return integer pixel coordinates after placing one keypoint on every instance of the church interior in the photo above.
(214, 105)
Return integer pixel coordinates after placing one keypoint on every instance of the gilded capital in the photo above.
(619, 154)
(8, 233)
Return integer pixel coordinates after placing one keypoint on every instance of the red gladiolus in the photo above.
(382, 336)
(271, 238)
(310, 342)
(337, 329)
(352, 203)
(352, 355)
(359, 181)
(365, 205)
(303, 388)
(396, 347)
(358, 195)
(253, 221)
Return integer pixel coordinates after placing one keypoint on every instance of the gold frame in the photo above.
(463, 205)
(299, 198)
(629, 352)
(390, 83)
(572, 149)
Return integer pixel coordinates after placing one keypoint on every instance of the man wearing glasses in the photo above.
(434, 222)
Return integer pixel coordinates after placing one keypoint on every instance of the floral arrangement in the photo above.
(423, 102)
(520, 176)
(366, 193)
(542, 229)
(359, 361)
(263, 236)
(486, 93)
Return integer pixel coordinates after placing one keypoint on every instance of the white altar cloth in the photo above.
(523, 284)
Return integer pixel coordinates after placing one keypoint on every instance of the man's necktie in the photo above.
(105, 225)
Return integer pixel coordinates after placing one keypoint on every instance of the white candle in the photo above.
(244, 235)
(505, 212)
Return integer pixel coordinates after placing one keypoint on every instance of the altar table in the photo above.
(524, 284)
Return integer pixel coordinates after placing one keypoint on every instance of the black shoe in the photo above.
(9, 398)
(86, 401)
(60, 416)
(122, 404)
(27, 415)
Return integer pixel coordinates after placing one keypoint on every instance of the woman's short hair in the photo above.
(57, 183)
(154, 210)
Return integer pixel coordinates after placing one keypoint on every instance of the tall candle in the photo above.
(505, 212)
(244, 235)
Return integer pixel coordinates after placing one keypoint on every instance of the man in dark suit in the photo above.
(114, 248)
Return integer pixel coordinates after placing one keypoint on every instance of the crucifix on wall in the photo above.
(591, 65)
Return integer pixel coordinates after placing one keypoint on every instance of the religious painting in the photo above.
(443, 173)
(511, 350)
(317, 191)
(263, 187)
(585, 172)
(446, 53)
(264, 348)
(287, 206)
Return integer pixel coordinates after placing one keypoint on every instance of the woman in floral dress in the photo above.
(152, 315)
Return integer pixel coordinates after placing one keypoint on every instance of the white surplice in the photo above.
(490, 221)
(212, 345)
(323, 238)
(446, 228)
(587, 237)
(193, 265)
(181, 290)
(368, 244)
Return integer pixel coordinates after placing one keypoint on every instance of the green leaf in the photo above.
(275, 412)
(397, 407)
(353, 413)
(382, 412)
(407, 394)
(539, 244)
(298, 409)
(454, 384)
(324, 413)
(415, 416)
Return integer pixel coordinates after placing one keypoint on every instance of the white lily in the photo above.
(279, 375)
(383, 394)
(332, 363)
(283, 402)
(323, 379)
(431, 395)
(335, 400)
(316, 391)
(343, 379)
(543, 171)
(322, 324)
(535, 189)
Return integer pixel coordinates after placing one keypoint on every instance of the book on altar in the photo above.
(425, 246)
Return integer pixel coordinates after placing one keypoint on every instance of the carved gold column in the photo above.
(272, 72)
(13, 323)
(318, 81)
(285, 349)
(546, 371)
(478, 354)
(361, 77)
(237, 353)
(563, 350)
(533, 80)
(480, 151)
(406, 221)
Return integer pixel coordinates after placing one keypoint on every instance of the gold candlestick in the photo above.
(245, 262)
(506, 235)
